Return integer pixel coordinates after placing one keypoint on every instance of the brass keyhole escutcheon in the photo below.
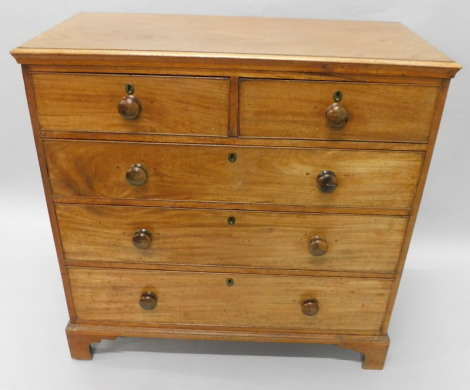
(231, 220)
(232, 157)
(337, 96)
(129, 88)
(230, 282)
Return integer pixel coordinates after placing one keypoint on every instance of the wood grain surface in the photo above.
(238, 141)
(80, 337)
(417, 200)
(229, 139)
(235, 37)
(280, 73)
(257, 239)
(170, 105)
(214, 42)
(296, 109)
(254, 301)
(31, 98)
(259, 175)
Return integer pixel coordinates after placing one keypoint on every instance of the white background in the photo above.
(430, 326)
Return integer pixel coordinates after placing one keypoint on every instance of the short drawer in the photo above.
(229, 300)
(296, 109)
(168, 104)
(375, 179)
(230, 238)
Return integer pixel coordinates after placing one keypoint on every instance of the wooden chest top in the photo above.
(321, 45)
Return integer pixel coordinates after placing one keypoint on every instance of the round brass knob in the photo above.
(129, 107)
(318, 246)
(327, 181)
(136, 174)
(142, 239)
(148, 300)
(310, 307)
(336, 115)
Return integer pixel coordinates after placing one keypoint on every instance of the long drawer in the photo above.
(168, 104)
(230, 300)
(230, 238)
(296, 109)
(266, 175)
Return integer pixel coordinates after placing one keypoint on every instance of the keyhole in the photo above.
(230, 282)
(232, 157)
(129, 89)
(338, 96)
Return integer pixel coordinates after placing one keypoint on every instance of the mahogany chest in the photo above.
(233, 178)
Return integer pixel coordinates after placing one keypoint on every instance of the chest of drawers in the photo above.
(233, 178)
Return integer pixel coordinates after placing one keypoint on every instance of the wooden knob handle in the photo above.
(318, 246)
(129, 107)
(148, 300)
(142, 239)
(336, 115)
(310, 307)
(327, 181)
(136, 174)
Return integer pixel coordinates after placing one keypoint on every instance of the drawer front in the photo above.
(377, 179)
(296, 109)
(254, 239)
(169, 105)
(252, 301)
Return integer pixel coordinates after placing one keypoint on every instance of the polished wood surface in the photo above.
(417, 201)
(80, 341)
(232, 140)
(257, 239)
(233, 178)
(81, 336)
(259, 175)
(270, 207)
(31, 98)
(296, 109)
(374, 352)
(170, 105)
(254, 301)
(366, 45)
(282, 72)
(238, 35)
